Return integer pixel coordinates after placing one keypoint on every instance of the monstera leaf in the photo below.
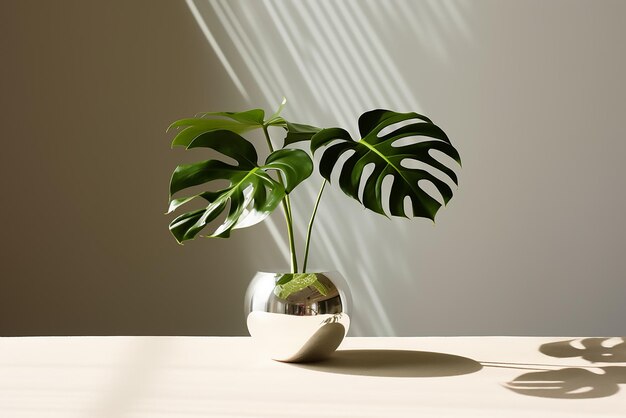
(387, 156)
(238, 122)
(297, 132)
(252, 193)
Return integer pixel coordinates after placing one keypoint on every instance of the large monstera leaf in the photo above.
(387, 155)
(252, 193)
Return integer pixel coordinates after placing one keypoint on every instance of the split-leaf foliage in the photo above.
(393, 145)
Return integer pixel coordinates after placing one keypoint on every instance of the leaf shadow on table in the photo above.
(581, 382)
(394, 363)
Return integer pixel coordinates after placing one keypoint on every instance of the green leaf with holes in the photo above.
(251, 195)
(386, 156)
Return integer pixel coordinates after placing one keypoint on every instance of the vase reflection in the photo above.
(306, 325)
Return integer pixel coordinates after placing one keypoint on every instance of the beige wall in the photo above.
(531, 92)
(88, 90)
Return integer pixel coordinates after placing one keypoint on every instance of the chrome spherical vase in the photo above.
(298, 318)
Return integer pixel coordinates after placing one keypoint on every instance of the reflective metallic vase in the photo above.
(298, 326)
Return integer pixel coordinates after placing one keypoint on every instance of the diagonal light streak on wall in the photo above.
(333, 53)
(351, 54)
(216, 47)
(332, 63)
(245, 48)
(457, 18)
(379, 58)
(427, 27)
(325, 82)
(281, 25)
(279, 78)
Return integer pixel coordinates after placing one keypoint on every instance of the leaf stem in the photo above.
(310, 228)
(267, 139)
(287, 210)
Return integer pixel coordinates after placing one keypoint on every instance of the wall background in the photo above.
(531, 93)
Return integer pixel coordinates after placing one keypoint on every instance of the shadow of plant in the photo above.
(394, 363)
(576, 382)
(593, 350)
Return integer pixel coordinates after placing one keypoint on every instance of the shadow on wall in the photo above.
(576, 382)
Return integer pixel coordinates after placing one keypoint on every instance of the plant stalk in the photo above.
(310, 228)
(287, 210)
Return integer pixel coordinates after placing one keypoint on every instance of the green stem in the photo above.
(310, 228)
(287, 210)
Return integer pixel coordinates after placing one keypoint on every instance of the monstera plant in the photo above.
(249, 190)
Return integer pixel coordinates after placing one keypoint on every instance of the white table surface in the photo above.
(394, 377)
